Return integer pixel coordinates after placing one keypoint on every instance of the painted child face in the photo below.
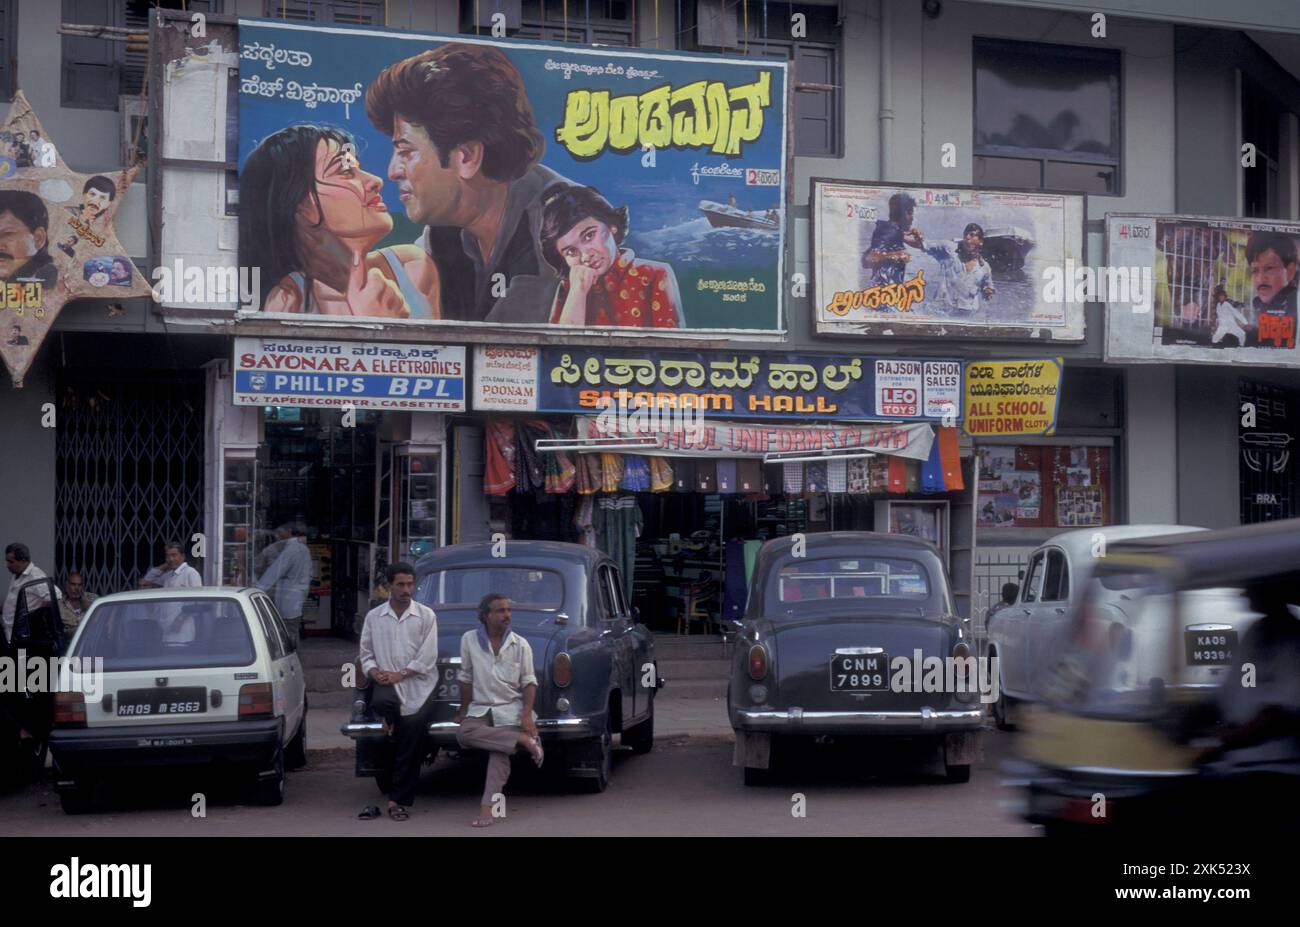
(349, 197)
(590, 242)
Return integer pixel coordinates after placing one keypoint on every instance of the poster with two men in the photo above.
(420, 178)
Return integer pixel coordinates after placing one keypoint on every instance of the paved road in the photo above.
(686, 786)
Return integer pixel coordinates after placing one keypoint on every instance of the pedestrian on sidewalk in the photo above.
(290, 576)
(497, 691)
(399, 653)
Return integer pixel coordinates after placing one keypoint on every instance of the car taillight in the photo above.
(757, 662)
(69, 709)
(562, 670)
(961, 650)
(961, 654)
(256, 700)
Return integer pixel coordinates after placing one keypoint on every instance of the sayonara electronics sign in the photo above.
(1019, 397)
(608, 188)
(1224, 290)
(726, 384)
(892, 260)
(329, 374)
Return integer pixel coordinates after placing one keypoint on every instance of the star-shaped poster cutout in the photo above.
(57, 241)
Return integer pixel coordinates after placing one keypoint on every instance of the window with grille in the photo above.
(343, 12)
(1047, 117)
(599, 22)
(753, 29)
(8, 47)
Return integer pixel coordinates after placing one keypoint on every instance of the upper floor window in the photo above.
(751, 29)
(1261, 126)
(598, 22)
(347, 12)
(8, 47)
(1047, 117)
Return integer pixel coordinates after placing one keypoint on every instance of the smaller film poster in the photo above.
(1078, 506)
(1224, 290)
(1010, 486)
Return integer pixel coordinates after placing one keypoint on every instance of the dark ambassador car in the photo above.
(594, 659)
(827, 613)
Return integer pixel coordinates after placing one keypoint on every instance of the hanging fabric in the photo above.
(814, 476)
(499, 469)
(636, 473)
(932, 470)
(560, 472)
(897, 474)
(706, 476)
(749, 475)
(727, 476)
(837, 479)
(588, 475)
(534, 463)
(661, 474)
(950, 459)
(684, 471)
(734, 591)
(611, 472)
(583, 520)
(913, 475)
(618, 524)
(793, 481)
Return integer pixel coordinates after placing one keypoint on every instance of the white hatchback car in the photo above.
(1020, 634)
(190, 677)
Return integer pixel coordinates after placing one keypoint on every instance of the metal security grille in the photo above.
(129, 474)
(1268, 470)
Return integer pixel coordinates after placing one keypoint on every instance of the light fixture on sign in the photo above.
(551, 445)
(815, 456)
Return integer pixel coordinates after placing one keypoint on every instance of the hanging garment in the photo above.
(878, 474)
(684, 470)
(611, 472)
(858, 478)
(837, 479)
(734, 587)
(560, 472)
(950, 459)
(726, 476)
(913, 475)
(583, 520)
(499, 472)
(897, 474)
(773, 478)
(636, 473)
(618, 524)
(814, 477)
(587, 480)
(661, 474)
(793, 476)
(932, 470)
(706, 476)
(749, 475)
(530, 471)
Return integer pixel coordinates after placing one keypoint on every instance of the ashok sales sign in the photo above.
(363, 375)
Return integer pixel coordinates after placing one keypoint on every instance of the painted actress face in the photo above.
(350, 199)
(591, 243)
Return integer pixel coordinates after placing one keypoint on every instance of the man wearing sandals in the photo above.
(497, 689)
(399, 652)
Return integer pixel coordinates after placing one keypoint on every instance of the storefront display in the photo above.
(1035, 486)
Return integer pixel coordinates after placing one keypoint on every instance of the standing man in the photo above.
(466, 153)
(174, 573)
(399, 653)
(887, 255)
(290, 575)
(497, 690)
(966, 275)
(18, 560)
(1230, 319)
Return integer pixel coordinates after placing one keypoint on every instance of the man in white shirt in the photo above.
(290, 576)
(175, 573)
(1230, 318)
(966, 276)
(399, 653)
(497, 691)
(18, 560)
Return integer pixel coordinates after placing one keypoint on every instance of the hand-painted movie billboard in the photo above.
(1225, 290)
(415, 177)
(909, 260)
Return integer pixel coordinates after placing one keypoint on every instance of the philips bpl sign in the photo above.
(330, 374)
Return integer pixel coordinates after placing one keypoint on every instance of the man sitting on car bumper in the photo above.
(399, 652)
(497, 686)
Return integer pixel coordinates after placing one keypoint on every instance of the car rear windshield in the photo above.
(851, 578)
(167, 634)
(526, 587)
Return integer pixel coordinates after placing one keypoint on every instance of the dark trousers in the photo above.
(409, 731)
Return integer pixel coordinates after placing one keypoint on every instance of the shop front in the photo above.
(336, 445)
(680, 465)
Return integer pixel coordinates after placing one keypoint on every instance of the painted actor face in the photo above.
(18, 244)
(94, 202)
(349, 197)
(590, 242)
(974, 241)
(1269, 276)
(431, 193)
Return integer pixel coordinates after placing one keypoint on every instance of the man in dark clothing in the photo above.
(887, 255)
(24, 239)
